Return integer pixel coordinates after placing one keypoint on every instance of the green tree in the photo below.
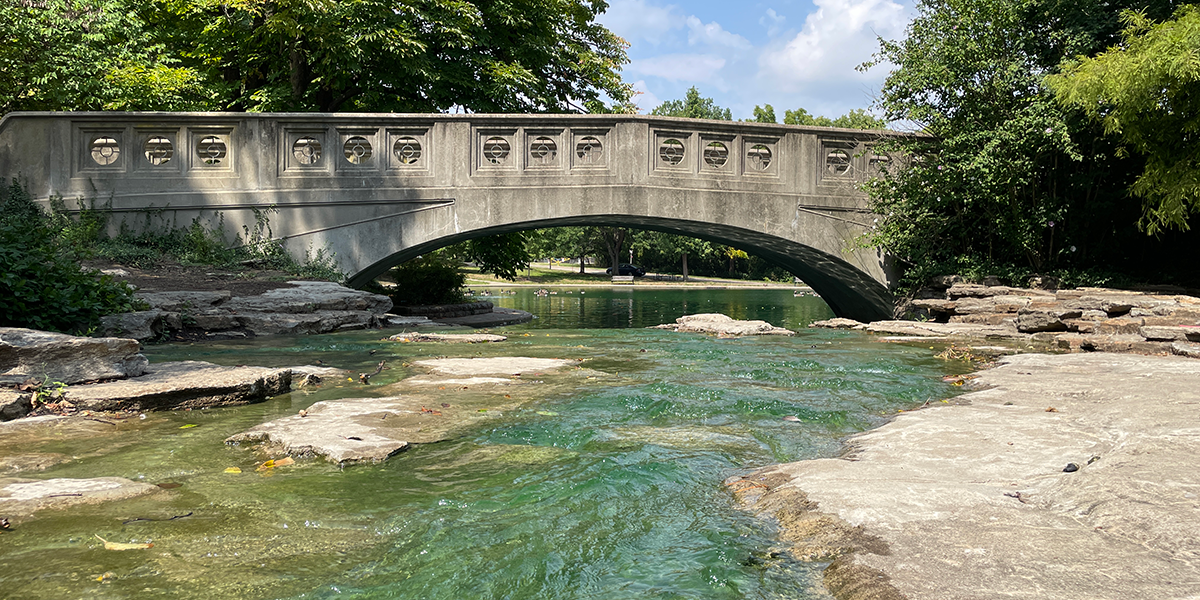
(1008, 181)
(1147, 91)
(504, 255)
(693, 106)
(765, 114)
(855, 119)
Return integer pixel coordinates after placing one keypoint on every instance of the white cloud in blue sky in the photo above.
(787, 53)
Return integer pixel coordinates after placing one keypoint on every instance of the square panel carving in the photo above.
(497, 150)
(210, 149)
(760, 156)
(718, 154)
(408, 150)
(102, 149)
(358, 150)
(544, 150)
(158, 151)
(673, 152)
(308, 150)
(589, 148)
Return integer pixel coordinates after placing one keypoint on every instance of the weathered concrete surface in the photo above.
(30, 354)
(23, 497)
(777, 194)
(367, 430)
(448, 338)
(722, 325)
(187, 384)
(971, 501)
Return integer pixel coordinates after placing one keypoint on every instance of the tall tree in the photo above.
(1009, 180)
(764, 114)
(693, 106)
(1147, 91)
(855, 119)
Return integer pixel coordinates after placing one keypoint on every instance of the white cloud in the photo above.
(645, 100)
(636, 20)
(773, 21)
(839, 36)
(713, 34)
(697, 68)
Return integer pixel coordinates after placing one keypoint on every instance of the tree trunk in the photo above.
(685, 266)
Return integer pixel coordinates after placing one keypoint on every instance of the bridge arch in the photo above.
(846, 289)
(378, 188)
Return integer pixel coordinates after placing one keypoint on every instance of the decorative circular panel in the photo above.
(211, 150)
(837, 161)
(158, 150)
(543, 151)
(105, 150)
(357, 150)
(671, 152)
(496, 150)
(407, 150)
(307, 150)
(758, 157)
(589, 150)
(880, 162)
(716, 154)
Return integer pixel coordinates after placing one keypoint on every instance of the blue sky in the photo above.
(787, 53)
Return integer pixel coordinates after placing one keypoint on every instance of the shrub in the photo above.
(429, 279)
(42, 285)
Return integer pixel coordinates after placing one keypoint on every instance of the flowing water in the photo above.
(595, 488)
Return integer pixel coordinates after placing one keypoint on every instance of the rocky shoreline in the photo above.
(1070, 476)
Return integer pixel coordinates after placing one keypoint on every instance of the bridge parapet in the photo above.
(380, 188)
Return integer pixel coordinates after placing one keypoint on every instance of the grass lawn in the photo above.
(568, 274)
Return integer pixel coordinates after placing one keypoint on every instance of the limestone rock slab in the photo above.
(26, 496)
(448, 338)
(14, 405)
(341, 431)
(499, 365)
(28, 353)
(723, 325)
(307, 296)
(184, 301)
(187, 384)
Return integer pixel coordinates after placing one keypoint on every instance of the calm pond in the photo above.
(605, 487)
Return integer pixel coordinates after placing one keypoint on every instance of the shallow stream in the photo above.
(604, 487)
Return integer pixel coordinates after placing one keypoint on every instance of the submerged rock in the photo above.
(179, 385)
(723, 325)
(507, 365)
(448, 338)
(26, 496)
(56, 357)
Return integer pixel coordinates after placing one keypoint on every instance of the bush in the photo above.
(429, 279)
(42, 285)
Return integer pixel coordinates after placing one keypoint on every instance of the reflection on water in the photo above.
(606, 488)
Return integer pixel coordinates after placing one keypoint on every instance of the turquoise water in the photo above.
(604, 487)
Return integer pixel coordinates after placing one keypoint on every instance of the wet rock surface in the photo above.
(368, 430)
(722, 325)
(974, 500)
(182, 385)
(56, 357)
(448, 338)
(300, 307)
(23, 497)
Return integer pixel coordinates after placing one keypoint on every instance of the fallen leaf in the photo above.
(233, 470)
(169, 486)
(1051, 409)
(189, 426)
(547, 413)
(482, 410)
(120, 546)
(285, 461)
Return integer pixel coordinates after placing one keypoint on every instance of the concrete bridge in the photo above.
(379, 189)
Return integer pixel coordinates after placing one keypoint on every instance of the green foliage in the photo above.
(765, 114)
(430, 279)
(503, 255)
(1147, 91)
(1009, 178)
(855, 119)
(693, 106)
(41, 283)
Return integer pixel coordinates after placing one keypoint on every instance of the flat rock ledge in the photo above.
(723, 326)
(56, 357)
(183, 385)
(370, 430)
(307, 307)
(448, 338)
(23, 497)
(1073, 476)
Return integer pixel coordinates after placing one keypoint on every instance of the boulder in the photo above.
(307, 296)
(837, 323)
(723, 325)
(184, 302)
(56, 357)
(292, 323)
(179, 385)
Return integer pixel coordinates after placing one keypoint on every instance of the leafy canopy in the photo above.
(693, 106)
(1147, 91)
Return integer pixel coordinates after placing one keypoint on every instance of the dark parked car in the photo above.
(634, 270)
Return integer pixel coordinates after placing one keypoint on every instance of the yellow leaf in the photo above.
(189, 426)
(285, 461)
(233, 470)
(120, 546)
